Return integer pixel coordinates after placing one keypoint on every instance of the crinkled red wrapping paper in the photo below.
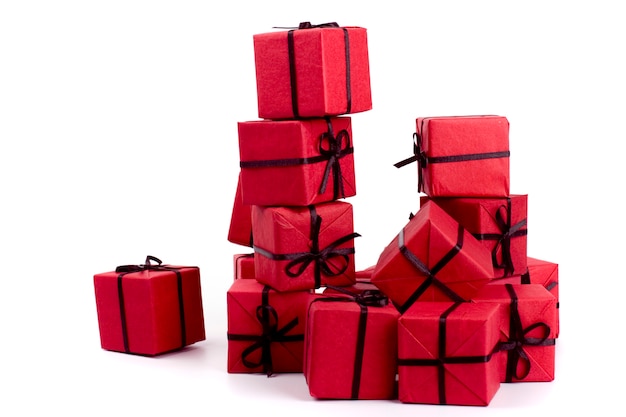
(243, 265)
(430, 235)
(465, 135)
(293, 184)
(152, 310)
(240, 228)
(287, 230)
(320, 70)
(471, 330)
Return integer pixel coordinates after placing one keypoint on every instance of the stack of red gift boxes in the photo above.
(452, 308)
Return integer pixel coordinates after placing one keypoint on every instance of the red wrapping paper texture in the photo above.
(240, 228)
(243, 266)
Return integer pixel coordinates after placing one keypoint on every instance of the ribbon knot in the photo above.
(503, 244)
(308, 25)
(142, 267)
(337, 147)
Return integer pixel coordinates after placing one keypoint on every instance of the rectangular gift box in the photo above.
(433, 258)
(351, 345)
(296, 162)
(243, 266)
(462, 156)
(240, 228)
(302, 248)
(499, 223)
(149, 309)
(527, 330)
(445, 353)
(538, 272)
(311, 71)
(265, 328)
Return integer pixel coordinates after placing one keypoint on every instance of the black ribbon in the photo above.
(124, 270)
(292, 63)
(268, 317)
(365, 299)
(430, 274)
(441, 360)
(331, 149)
(518, 339)
(423, 160)
(503, 244)
(300, 261)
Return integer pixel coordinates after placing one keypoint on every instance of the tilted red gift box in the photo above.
(539, 272)
(433, 258)
(149, 309)
(499, 223)
(301, 248)
(351, 345)
(243, 265)
(312, 72)
(445, 353)
(462, 156)
(240, 228)
(527, 330)
(265, 328)
(296, 162)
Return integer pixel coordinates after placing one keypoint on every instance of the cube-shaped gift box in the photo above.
(243, 266)
(446, 353)
(304, 248)
(462, 156)
(240, 228)
(499, 223)
(351, 344)
(538, 272)
(527, 330)
(433, 258)
(312, 71)
(149, 309)
(265, 328)
(296, 162)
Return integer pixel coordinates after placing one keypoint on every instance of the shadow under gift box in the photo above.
(445, 353)
(527, 330)
(265, 328)
(296, 162)
(149, 311)
(500, 224)
(433, 258)
(351, 344)
(304, 248)
(462, 156)
(312, 72)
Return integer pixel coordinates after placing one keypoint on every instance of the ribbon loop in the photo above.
(336, 148)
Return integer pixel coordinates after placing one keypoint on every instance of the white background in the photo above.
(118, 139)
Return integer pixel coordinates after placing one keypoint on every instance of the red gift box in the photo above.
(301, 248)
(243, 265)
(445, 353)
(240, 229)
(149, 309)
(499, 223)
(433, 258)
(351, 345)
(365, 275)
(312, 72)
(265, 328)
(527, 330)
(296, 162)
(462, 156)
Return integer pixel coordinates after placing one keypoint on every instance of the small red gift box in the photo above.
(462, 156)
(351, 345)
(312, 71)
(302, 248)
(243, 265)
(499, 223)
(296, 162)
(433, 258)
(149, 309)
(538, 272)
(527, 330)
(445, 353)
(240, 229)
(265, 328)
(365, 275)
